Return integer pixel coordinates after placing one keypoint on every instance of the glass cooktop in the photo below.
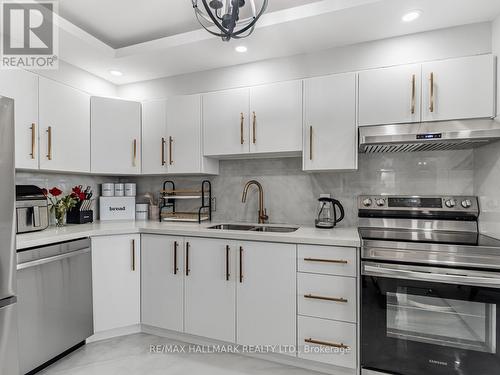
(421, 236)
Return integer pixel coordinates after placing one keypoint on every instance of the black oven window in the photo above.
(441, 321)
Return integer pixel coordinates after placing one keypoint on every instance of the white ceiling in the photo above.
(121, 23)
(314, 25)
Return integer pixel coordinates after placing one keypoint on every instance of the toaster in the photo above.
(32, 210)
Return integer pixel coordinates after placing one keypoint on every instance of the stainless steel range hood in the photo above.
(428, 136)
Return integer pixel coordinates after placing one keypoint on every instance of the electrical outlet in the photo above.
(214, 205)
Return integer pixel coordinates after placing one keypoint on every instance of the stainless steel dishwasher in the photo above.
(54, 302)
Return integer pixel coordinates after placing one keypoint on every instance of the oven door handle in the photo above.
(434, 274)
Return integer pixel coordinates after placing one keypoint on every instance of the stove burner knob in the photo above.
(367, 202)
(450, 203)
(380, 202)
(466, 203)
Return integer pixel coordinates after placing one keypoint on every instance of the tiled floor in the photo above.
(130, 355)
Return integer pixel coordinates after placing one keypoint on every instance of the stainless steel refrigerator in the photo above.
(8, 317)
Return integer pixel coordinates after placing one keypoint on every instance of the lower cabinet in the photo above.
(266, 296)
(210, 288)
(162, 286)
(116, 281)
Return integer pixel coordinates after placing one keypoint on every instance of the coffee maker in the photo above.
(327, 212)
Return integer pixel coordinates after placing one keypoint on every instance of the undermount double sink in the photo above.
(254, 228)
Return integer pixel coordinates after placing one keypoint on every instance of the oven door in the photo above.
(430, 320)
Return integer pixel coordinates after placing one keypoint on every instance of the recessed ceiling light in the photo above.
(241, 49)
(116, 73)
(411, 15)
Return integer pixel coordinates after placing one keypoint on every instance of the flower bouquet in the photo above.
(59, 204)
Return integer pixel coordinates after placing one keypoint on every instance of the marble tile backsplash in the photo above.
(291, 194)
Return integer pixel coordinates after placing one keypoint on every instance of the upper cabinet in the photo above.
(225, 122)
(185, 155)
(64, 114)
(330, 132)
(459, 88)
(276, 118)
(22, 86)
(154, 137)
(389, 95)
(116, 136)
(260, 120)
(171, 137)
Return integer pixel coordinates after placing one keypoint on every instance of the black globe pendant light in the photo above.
(225, 16)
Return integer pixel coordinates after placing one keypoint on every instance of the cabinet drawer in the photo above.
(327, 341)
(329, 297)
(328, 260)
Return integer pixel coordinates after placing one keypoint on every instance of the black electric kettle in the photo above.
(327, 212)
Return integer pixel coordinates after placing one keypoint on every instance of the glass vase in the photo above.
(60, 217)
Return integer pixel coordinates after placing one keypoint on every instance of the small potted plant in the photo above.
(59, 204)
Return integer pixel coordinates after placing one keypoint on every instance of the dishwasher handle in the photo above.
(55, 258)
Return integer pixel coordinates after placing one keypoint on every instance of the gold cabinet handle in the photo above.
(228, 249)
(49, 143)
(175, 257)
(242, 119)
(339, 261)
(254, 126)
(133, 255)
(170, 146)
(413, 93)
(134, 159)
(33, 139)
(241, 264)
(310, 143)
(333, 299)
(187, 259)
(163, 142)
(326, 343)
(431, 84)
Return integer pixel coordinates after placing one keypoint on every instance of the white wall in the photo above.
(80, 79)
(487, 166)
(440, 44)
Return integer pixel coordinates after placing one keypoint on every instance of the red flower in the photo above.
(45, 192)
(55, 192)
(78, 193)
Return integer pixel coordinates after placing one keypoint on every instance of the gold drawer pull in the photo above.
(134, 152)
(170, 151)
(413, 92)
(163, 142)
(242, 119)
(333, 299)
(254, 128)
(326, 343)
(338, 261)
(49, 143)
(432, 99)
(310, 143)
(33, 138)
(133, 255)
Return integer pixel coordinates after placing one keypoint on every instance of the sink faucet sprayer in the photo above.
(263, 218)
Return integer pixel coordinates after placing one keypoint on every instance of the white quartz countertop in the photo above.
(304, 235)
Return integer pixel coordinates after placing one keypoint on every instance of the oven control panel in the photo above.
(418, 203)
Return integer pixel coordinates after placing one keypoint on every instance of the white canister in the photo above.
(108, 190)
(141, 211)
(130, 190)
(119, 190)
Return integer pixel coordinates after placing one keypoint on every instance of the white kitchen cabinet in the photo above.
(210, 288)
(116, 136)
(459, 88)
(64, 114)
(225, 122)
(330, 132)
(266, 294)
(154, 137)
(276, 118)
(162, 287)
(389, 95)
(22, 86)
(184, 137)
(116, 264)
